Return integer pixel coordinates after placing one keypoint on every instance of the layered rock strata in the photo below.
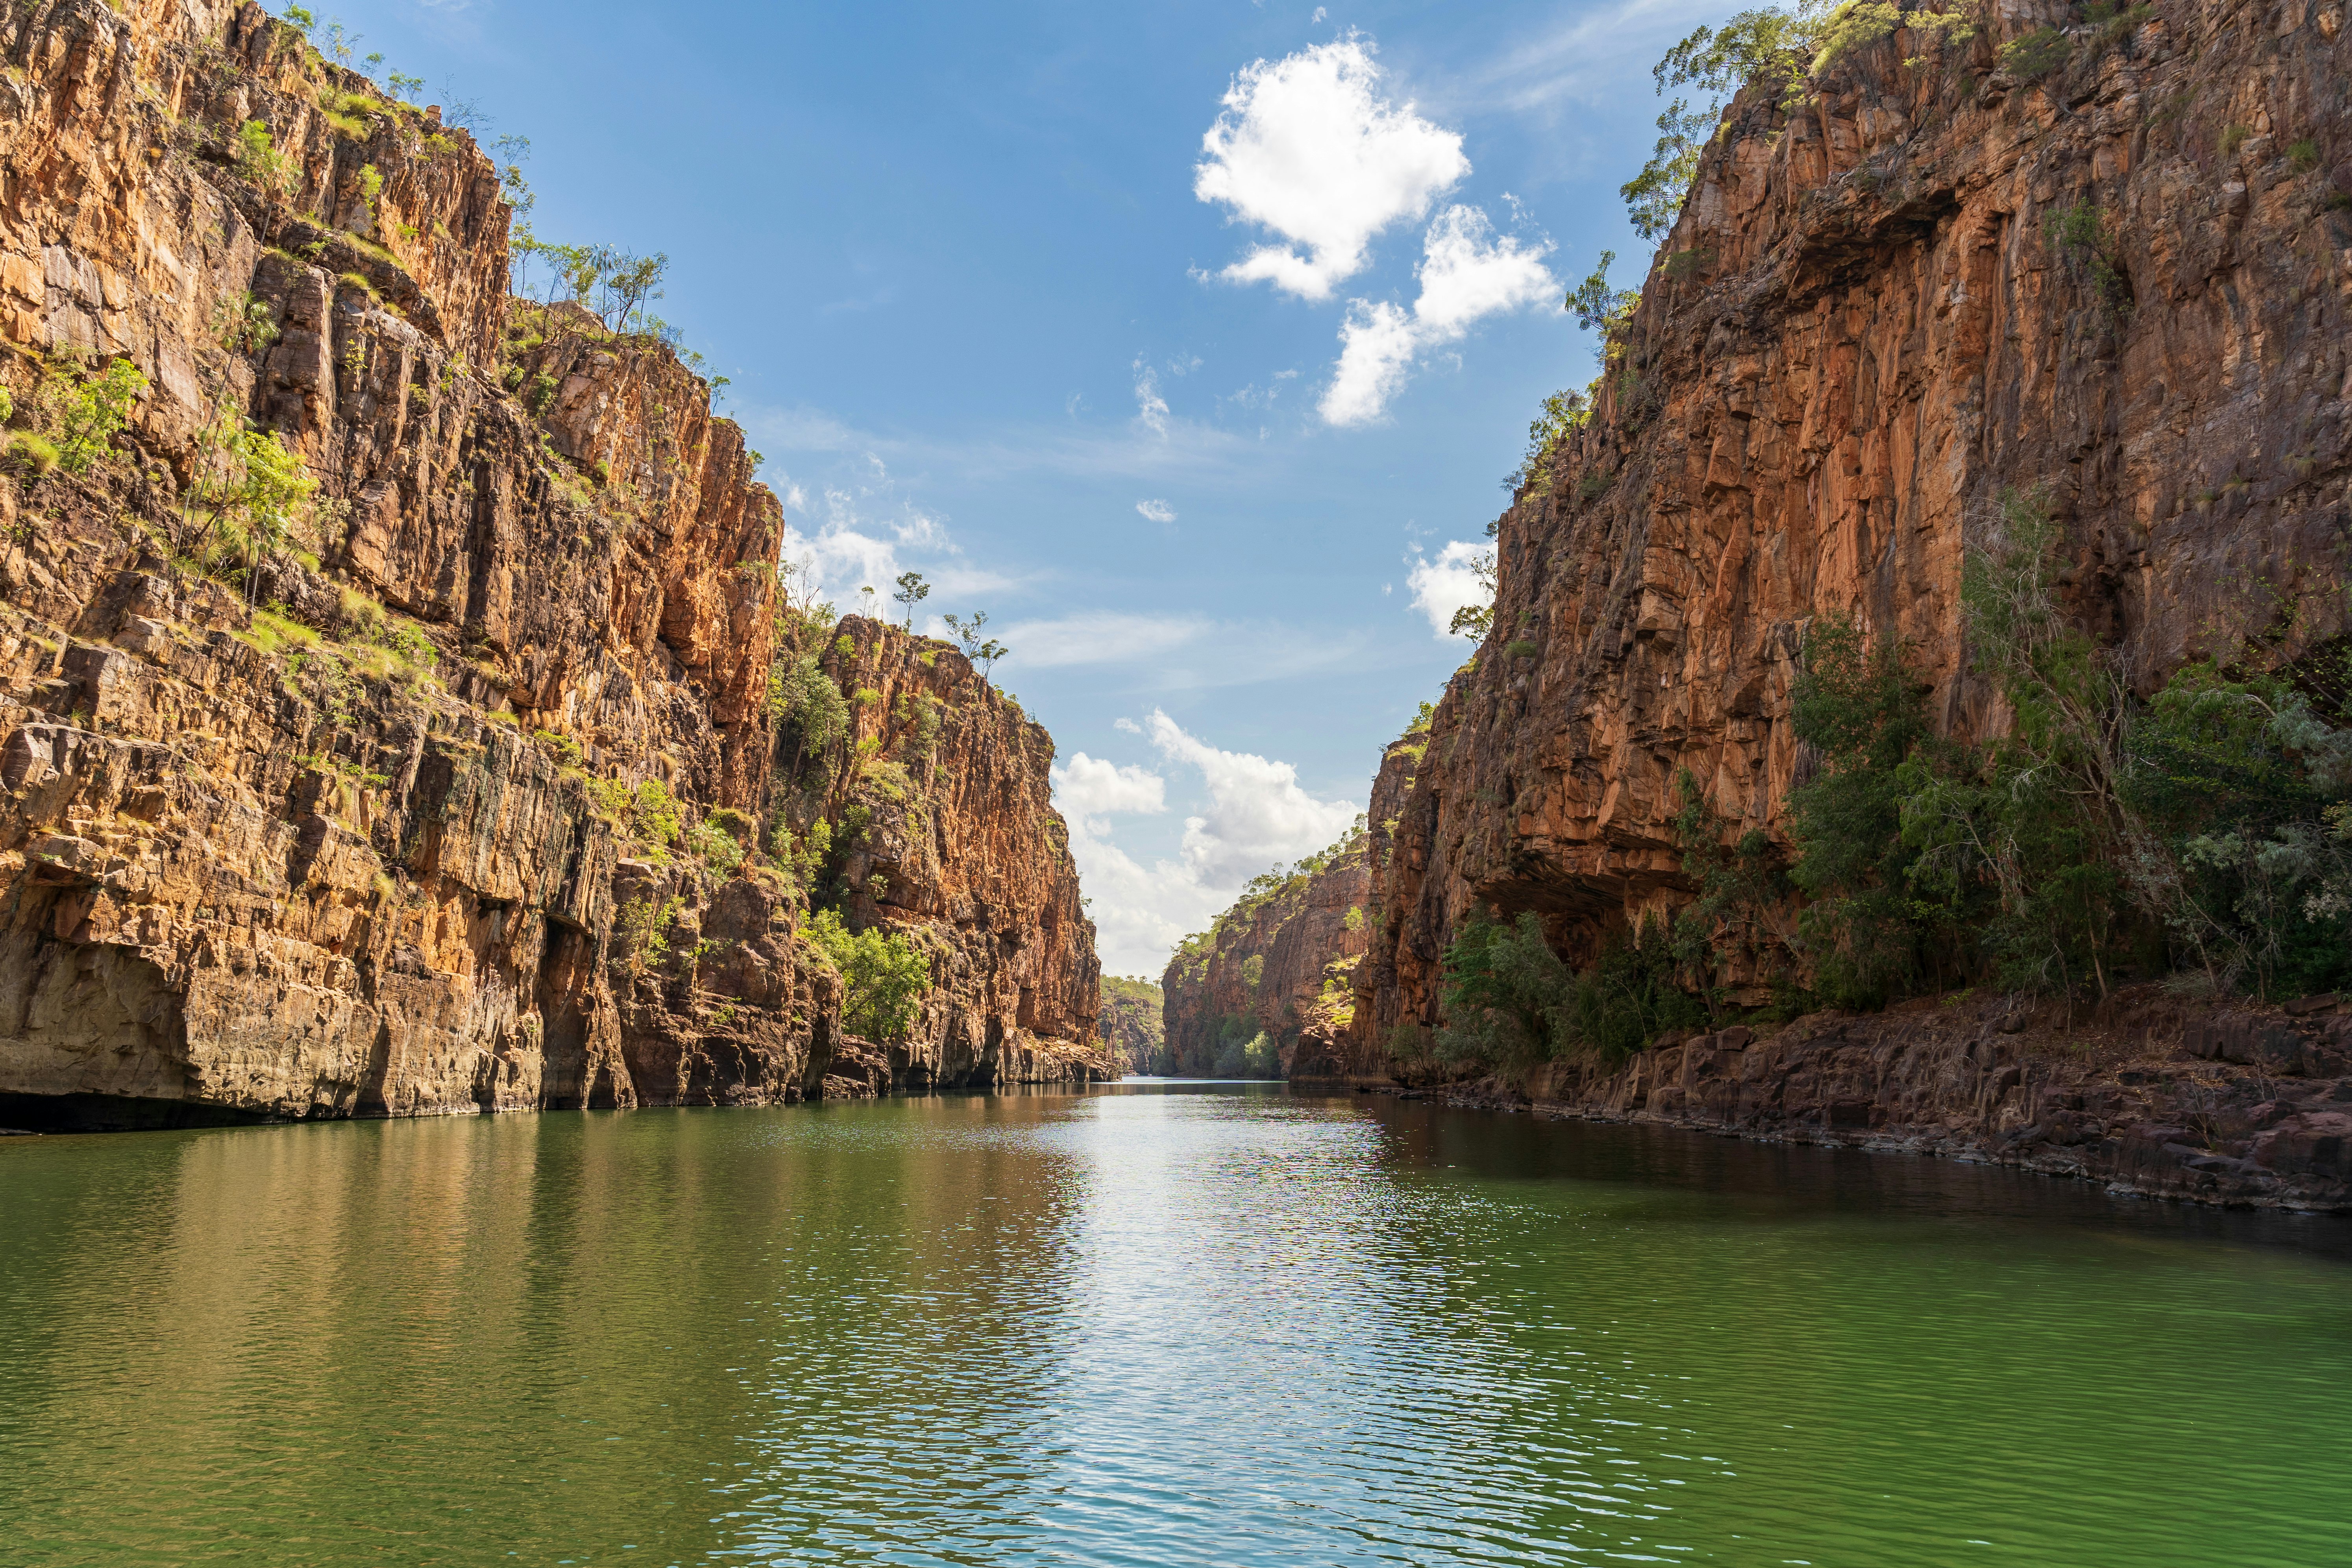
(363, 851)
(2128, 280)
(1279, 963)
(2115, 265)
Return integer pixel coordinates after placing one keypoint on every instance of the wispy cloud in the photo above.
(1156, 510)
(1186, 449)
(1584, 60)
(1100, 638)
(1181, 653)
(1150, 408)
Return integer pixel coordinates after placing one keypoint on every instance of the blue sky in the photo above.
(1181, 340)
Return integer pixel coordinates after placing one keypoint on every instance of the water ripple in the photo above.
(1143, 1327)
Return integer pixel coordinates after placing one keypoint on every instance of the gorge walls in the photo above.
(461, 795)
(1869, 321)
(1131, 1023)
(2105, 260)
(1277, 963)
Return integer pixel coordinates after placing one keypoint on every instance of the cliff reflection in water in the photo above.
(1161, 1324)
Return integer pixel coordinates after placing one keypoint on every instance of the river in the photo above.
(1162, 1324)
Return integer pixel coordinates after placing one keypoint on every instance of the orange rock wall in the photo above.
(1296, 932)
(1861, 331)
(371, 857)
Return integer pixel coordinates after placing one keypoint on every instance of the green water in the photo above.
(1157, 1325)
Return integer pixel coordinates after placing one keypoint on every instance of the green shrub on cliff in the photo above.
(641, 935)
(1562, 415)
(801, 695)
(883, 977)
(248, 496)
(259, 160)
(649, 814)
(2200, 832)
(1510, 1001)
(716, 843)
(2032, 56)
(86, 413)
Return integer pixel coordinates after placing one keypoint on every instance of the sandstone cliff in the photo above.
(944, 831)
(1278, 964)
(1131, 1023)
(363, 851)
(1879, 309)
(1864, 325)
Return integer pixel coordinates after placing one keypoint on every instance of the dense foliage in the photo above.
(1244, 1050)
(1510, 1000)
(884, 976)
(2203, 837)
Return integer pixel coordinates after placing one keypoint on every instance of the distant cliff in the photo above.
(1275, 966)
(437, 770)
(1131, 1026)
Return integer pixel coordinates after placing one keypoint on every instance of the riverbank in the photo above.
(2243, 1107)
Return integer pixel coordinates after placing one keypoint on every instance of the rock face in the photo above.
(1265, 964)
(2246, 1107)
(1338, 1048)
(1131, 1024)
(365, 855)
(2125, 280)
(1869, 321)
(949, 835)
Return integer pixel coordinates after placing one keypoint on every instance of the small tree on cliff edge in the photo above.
(912, 591)
(983, 651)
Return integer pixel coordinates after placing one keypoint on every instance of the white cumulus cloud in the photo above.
(1377, 345)
(1091, 789)
(1468, 273)
(1310, 147)
(1156, 510)
(1450, 581)
(1257, 817)
(1257, 814)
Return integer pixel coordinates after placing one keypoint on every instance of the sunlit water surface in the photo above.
(1162, 1324)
